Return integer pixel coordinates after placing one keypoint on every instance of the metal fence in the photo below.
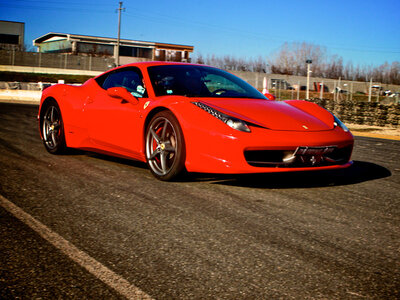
(283, 86)
(25, 86)
(52, 60)
(294, 87)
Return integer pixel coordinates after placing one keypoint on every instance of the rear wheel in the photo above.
(165, 146)
(52, 128)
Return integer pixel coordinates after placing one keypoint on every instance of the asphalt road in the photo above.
(325, 235)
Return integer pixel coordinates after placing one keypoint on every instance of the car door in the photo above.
(115, 124)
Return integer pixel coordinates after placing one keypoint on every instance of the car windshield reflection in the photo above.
(199, 81)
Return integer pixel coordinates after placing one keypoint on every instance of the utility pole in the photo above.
(119, 32)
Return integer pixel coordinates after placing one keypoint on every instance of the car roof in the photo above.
(145, 64)
(157, 63)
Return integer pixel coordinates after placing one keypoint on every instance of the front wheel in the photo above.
(52, 127)
(165, 147)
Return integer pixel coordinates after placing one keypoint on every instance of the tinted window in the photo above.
(199, 81)
(131, 79)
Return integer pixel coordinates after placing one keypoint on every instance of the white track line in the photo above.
(110, 278)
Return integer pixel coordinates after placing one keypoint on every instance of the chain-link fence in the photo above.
(295, 87)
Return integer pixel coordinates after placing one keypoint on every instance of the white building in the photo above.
(129, 50)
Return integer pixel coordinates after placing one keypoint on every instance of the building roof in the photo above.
(11, 21)
(53, 36)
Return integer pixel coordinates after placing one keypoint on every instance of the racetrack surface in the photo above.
(331, 235)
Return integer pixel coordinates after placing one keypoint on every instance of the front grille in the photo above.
(300, 157)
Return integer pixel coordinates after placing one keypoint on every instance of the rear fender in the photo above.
(71, 103)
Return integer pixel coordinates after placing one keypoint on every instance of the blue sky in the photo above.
(364, 32)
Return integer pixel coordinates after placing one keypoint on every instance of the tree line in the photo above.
(291, 58)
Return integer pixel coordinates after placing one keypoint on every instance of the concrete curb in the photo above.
(20, 95)
(20, 101)
(25, 69)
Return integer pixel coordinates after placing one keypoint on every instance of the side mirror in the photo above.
(269, 96)
(122, 93)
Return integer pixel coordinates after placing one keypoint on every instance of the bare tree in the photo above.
(394, 73)
(291, 58)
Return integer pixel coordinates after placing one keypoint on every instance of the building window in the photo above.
(9, 39)
(135, 52)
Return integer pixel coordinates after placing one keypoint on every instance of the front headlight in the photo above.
(232, 122)
(339, 123)
(237, 124)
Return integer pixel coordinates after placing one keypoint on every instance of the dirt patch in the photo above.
(375, 131)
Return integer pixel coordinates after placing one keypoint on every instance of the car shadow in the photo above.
(360, 171)
(116, 159)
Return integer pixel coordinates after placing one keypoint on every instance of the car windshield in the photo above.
(199, 81)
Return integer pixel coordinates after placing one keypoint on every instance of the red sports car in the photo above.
(184, 117)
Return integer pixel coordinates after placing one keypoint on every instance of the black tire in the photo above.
(165, 147)
(52, 128)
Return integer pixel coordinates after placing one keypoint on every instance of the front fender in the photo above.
(199, 128)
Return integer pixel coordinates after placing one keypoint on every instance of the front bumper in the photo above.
(267, 151)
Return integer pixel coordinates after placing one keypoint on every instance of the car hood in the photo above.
(292, 115)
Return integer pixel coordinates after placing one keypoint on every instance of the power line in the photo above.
(54, 8)
(62, 2)
(152, 17)
(176, 21)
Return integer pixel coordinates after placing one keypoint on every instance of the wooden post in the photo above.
(351, 91)
(321, 91)
(334, 90)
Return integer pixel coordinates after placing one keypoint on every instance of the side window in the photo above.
(131, 79)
